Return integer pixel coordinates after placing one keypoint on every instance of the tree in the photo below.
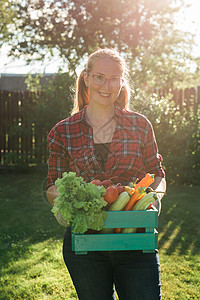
(142, 30)
(8, 18)
(166, 62)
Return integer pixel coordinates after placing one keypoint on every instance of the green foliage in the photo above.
(143, 31)
(18, 161)
(165, 63)
(177, 131)
(75, 28)
(33, 82)
(80, 203)
(8, 20)
(53, 101)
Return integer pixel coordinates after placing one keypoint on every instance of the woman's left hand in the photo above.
(159, 185)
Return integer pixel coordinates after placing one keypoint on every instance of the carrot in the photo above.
(138, 194)
(145, 181)
(117, 230)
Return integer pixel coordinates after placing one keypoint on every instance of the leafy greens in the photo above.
(80, 203)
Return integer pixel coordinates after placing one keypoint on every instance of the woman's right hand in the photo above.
(52, 194)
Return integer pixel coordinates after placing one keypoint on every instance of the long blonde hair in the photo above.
(82, 96)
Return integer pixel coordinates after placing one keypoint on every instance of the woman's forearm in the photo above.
(159, 185)
(52, 193)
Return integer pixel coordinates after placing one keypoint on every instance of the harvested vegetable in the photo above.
(120, 203)
(129, 189)
(81, 204)
(145, 181)
(137, 195)
(145, 201)
(111, 194)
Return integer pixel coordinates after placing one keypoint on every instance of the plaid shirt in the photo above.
(133, 151)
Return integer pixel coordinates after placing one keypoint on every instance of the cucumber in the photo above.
(145, 201)
(106, 230)
(120, 202)
(129, 230)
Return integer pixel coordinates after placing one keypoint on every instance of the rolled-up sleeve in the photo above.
(58, 157)
(151, 158)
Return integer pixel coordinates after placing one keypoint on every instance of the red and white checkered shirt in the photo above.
(132, 153)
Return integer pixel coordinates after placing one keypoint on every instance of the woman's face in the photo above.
(104, 81)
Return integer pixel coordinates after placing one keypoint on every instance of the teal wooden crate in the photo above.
(147, 241)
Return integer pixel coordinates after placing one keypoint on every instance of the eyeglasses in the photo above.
(101, 80)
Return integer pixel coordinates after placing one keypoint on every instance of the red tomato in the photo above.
(111, 194)
(96, 182)
(120, 189)
(106, 182)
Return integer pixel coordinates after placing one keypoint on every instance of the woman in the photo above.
(103, 139)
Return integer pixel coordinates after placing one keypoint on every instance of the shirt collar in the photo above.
(81, 115)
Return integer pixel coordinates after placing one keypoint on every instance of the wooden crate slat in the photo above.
(114, 242)
(125, 219)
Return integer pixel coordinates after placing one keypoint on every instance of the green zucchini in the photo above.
(118, 205)
(120, 202)
(145, 201)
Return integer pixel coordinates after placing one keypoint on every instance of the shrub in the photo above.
(177, 132)
(53, 101)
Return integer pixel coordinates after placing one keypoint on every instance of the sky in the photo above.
(187, 20)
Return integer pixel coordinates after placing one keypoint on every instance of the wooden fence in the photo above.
(21, 141)
(24, 142)
(182, 97)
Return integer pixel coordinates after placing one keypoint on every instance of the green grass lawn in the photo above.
(31, 262)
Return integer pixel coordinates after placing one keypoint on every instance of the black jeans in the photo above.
(135, 275)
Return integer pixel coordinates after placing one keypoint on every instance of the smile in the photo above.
(104, 94)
